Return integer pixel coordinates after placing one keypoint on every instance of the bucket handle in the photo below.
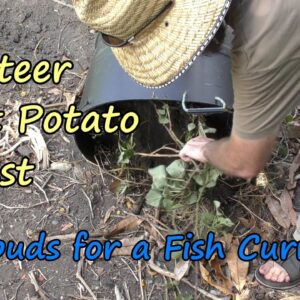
(204, 110)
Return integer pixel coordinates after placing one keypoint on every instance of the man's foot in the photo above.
(274, 272)
(280, 275)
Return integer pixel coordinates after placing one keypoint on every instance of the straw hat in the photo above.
(163, 49)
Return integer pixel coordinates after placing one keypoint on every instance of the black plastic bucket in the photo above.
(205, 88)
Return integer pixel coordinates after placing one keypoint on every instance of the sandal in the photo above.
(292, 266)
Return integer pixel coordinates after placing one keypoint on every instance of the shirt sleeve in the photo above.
(263, 99)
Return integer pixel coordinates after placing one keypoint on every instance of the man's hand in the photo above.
(234, 156)
(194, 149)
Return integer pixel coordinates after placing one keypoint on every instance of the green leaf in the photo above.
(199, 179)
(122, 159)
(191, 127)
(175, 186)
(192, 199)
(168, 203)
(177, 206)
(207, 178)
(177, 169)
(163, 120)
(153, 198)
(213, 177)
(224, 222)
(207, 218)
(159, 177)
(162, 112)
(289, 119)
(125, 156)
(163, 117)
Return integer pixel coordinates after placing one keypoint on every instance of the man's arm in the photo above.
(234, 156)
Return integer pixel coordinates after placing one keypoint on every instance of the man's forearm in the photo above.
(221, 155)
(234, 156)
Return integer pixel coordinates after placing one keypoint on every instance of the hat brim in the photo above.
(166, 49)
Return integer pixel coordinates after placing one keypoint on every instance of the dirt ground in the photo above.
(45, 29)
(35, 30)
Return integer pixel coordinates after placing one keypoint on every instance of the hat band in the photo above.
(114, 42)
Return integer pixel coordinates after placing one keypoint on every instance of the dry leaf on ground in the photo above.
(38, 145)
(65, 227)
(287, 205)
(55, 92)
(115, 186)
(248, 223)
(216, 265)
(155, 235)
(226, 240)
(266, 232)
(182, 268)
(278, 213)
(129, 223)
(128, 242)
(293, 169)
(159, 270)
(238, 271)
(238, 268)
(108, 214)
(124, 251)
(221, 286)
(61, 166)
(243, 296)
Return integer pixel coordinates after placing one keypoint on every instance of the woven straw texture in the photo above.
(167, 46)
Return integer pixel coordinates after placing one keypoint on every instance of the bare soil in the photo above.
(36, 30)
(45, 29)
